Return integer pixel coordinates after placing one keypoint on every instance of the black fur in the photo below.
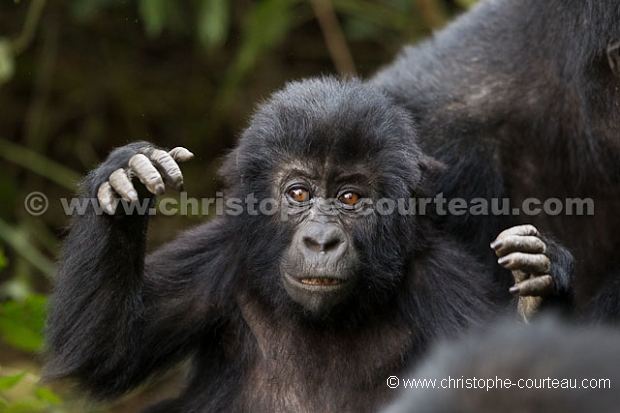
(520, 99)
(541, 351)
(216, 293)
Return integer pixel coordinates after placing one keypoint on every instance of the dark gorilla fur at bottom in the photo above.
(568, 369)
(277, 317)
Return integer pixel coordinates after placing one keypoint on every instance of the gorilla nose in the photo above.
(324, 240)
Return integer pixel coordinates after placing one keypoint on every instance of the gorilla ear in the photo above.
(613, 57)
(432, 172)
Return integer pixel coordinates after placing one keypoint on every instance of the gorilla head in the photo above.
(339, 160)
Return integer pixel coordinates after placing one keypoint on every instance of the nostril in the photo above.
(320, 245)
(311, 244)
(331, 245)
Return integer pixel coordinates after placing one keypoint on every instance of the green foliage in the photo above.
(153, 13)
(39, 164)
(7, 64)
(17, 238)
(85, 10)
(21, 393)
(38, 398)
(213, 22)
(466, 3)
(21, 323)
(265, 27)
(8, 382)
(3, 261)
(46, 395)
(378, 14)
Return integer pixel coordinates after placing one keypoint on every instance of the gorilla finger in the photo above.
(532, 263)
(519, 275)
(519, 243)
(536, 287)
(522, 230)
(528, 307)
(107, 198)
(181, 154)
(168, 168)
(121, 183)
(147, 173)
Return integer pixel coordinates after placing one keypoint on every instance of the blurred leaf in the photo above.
(19, 286)
(2, 259)
(41, 234)
(17, 238)
(358, 29)
(27, 406)
(8, 193)
(35, 162)
(21, 323)
(376, 13)
(85, 10)
(267, 24)
(153, 13)
(466, 3)
(213, 22)
(45, 394)
(7, 61)
(9, 382)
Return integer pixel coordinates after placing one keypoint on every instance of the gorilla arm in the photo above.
(115, 317)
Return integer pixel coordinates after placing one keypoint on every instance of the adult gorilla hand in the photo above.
(541, 267)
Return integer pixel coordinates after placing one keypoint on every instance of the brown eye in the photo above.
(299, 194)
(349, 198)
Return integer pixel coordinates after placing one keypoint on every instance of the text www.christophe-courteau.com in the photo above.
(394, 382)
(36, 203)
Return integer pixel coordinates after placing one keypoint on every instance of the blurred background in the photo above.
(80, 77)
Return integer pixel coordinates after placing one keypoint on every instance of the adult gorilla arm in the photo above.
(115, 317)
(518, 100)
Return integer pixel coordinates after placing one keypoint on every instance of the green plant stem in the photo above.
(22, 42)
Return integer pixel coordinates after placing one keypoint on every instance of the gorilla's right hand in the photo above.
(154, 167)
(541, 267)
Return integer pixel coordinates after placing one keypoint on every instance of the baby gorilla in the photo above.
(307, 307)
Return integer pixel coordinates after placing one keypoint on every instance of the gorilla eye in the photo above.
(349, 198)
(299, 194)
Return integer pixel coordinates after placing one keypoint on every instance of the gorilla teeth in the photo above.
(320, 281)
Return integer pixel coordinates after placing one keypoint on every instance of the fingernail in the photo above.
(503, 261)
(515, 289)
(110, 209)
(180, 187)
(159, 190)
(132, 195)
(496, 244)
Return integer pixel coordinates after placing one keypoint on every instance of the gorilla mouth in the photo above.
(317, 293)
(315, 283)
(320, 281)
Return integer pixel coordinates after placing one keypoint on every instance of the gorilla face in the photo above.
(319, 268)
(328, 151)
